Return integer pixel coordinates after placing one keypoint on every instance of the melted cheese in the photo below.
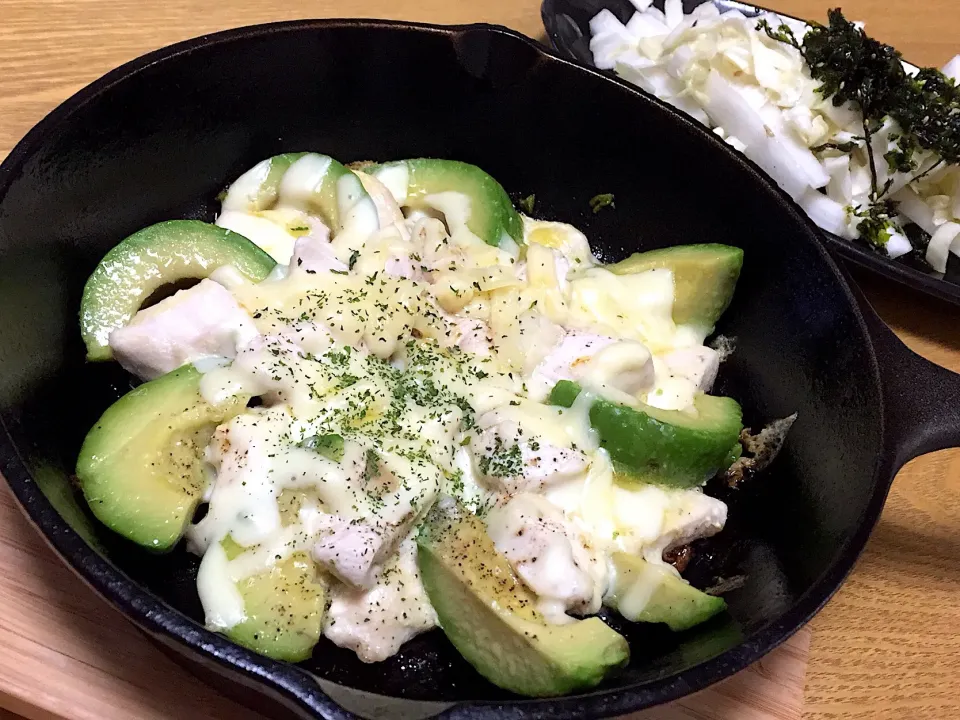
(636, 307)
(415, 365)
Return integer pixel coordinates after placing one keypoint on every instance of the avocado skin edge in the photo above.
(492, 620)
(664, 447)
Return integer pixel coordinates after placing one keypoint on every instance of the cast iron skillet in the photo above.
(161, 136)
(568, 26)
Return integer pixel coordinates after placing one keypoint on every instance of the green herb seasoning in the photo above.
(502, 460)
(599, 202)
(853, 67)
(329, 446)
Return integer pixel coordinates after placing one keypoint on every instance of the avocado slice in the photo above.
(492, 618)
(666, 447)
(311, 182)
(704, 278)
(259, 187)
(645, 592)
(151, 258)
(141, 466)
(284, 606)
(423, 183)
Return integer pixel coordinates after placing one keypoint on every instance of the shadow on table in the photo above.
(910, 555)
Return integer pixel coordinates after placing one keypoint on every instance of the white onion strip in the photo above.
(943, 242)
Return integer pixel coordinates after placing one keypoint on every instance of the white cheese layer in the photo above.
(410, 361)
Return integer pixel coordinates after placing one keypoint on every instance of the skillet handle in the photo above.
(921, 398)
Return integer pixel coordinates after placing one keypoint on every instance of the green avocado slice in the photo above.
(311, 182)
(666, 447)
(151, 258)
(141, 466)
(284, 606)
(492, 619)
(259, 187)
(645, 592)
(704, 277)
(425, 183)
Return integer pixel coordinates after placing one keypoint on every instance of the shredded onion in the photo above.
(952, 68)
(942, 243)
(757, 94)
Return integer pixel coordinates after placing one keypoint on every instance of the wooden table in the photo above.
(883, 648)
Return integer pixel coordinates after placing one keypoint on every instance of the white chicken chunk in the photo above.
(374, 623)
(199, 322)
(652, 519)
(469, 334)
(564, 360)
(351, 550)
(391, 250)
(546, 268)
(388, 211)
(430, 235)
(549, 554)
(260, 375)
(366, 514)
(602, 362)
(510, 460)
(240, 505)
(698, 364)
(696, 516)
(313, 253)
(681, 374)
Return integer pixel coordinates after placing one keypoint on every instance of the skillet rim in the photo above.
(297, 685)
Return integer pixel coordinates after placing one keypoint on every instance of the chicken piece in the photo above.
(474, 336)
(549, 555)
(240, 504)
(469, 334)
(698, 364)
(259, 364)
(374, 623)
(393, 252)
(404, 266)
(367, 511)
(388, 211)
(681, 374)
(313, 337)
(600, 361)
(564, 360)
(545, 268)
(652, 519)
(313, 253)
(430, 235)
(350, 550)
(565, 239)
(526, 342)
(198, 322)
(510, 460)
(272, 366)
(625, 366)
(693, 515)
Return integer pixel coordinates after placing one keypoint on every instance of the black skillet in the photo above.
(568, 27)
(159, 138)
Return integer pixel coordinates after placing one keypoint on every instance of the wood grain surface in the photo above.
(884, 647)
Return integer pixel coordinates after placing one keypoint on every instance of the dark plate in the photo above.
(567, 24)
